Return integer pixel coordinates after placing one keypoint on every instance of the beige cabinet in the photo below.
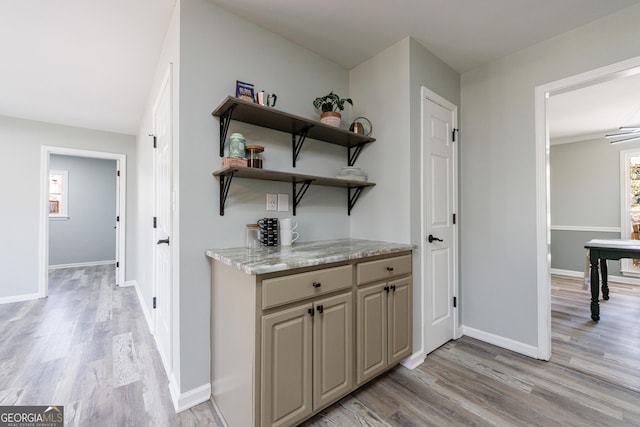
(307, 359)
(371, 335)
(384, 316)
(286, 366)
(400, 317)
(287, 345)
(332, 349)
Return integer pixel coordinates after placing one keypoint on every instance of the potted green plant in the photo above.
(331, 105)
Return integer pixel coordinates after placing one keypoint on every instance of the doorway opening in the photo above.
(543, 213)
(56, 202)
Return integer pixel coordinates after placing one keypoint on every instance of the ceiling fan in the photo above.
(633, 132)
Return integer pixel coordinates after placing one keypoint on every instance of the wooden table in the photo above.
(600, 250)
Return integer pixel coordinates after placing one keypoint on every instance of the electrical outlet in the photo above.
(283, 202)
(272, 202)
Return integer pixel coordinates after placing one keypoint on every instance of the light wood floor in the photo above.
(88, 347)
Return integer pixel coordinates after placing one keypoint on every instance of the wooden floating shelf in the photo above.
(226, 174)
(233, 108)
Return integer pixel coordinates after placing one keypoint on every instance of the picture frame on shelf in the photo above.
(245, 91)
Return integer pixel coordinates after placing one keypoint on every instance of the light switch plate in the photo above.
(272, 202)
(283, 202)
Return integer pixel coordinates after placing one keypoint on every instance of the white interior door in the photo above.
(163, 206)
(439, 190)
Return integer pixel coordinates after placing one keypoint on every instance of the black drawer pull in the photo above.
(317, 284)
(393, 288)
(320, 309)
(386, 288)
(389, 268)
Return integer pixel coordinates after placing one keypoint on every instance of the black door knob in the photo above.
(163, 241)
(432, 239)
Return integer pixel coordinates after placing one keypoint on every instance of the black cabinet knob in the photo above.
(320, 309)
(389, 268)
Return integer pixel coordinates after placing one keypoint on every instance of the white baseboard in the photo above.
(567, 273)
(145, 309)
(81, 264)
(219, 412)
(188, 399)
(413, 361)
(580, 274)
(19, 298)
(509, 344)
(129, 283)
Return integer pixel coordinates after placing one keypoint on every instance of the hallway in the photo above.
(87, 347)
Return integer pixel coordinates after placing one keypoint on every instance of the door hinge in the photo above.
(118, 218)
(117, 264)
(155, 222)
(453, 134)
(118, 173)
(454, 218)
(455, 302)
(155, 140)
(154, 302)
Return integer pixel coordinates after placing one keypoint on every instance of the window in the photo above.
(630, 205)
(58, 194)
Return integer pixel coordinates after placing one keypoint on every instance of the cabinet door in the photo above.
(371, 341)
(332, 349)
(400, 320)
(286, 366)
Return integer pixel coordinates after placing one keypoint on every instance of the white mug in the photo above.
(288, 224)
(287, 237)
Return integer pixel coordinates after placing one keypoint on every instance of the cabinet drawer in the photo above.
(383, 269)
(283, 290)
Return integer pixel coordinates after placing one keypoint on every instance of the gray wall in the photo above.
(211, 60)
(568, 252)
(206, 68)
(498, 169)
(88, 234)
(20, 152)
(581, 172)
(392, 210)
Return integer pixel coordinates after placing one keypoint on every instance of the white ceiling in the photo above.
(463, 33)
(593, 111)
(89, 63)
(84, 63)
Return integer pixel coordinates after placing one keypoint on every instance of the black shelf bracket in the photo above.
(296, 145)
(225, 119)
(225, 183)
(353, 155)
(353, 197)
(298, 194)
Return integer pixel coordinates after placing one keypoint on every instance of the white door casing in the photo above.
(439, 172)
(163, 208)
(43, 240)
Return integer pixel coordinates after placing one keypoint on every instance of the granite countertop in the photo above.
(303, 254)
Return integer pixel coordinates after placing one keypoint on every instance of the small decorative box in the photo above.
(233, 161)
